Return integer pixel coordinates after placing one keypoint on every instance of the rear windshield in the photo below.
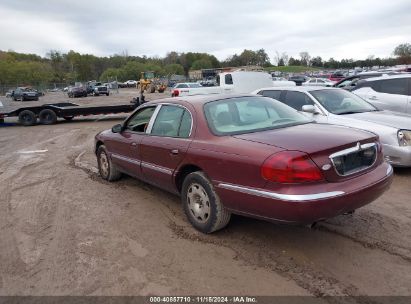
(250, 114)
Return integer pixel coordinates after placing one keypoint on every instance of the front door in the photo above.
(125, 152)
(166, 145)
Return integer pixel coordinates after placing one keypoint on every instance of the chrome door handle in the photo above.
(174, 151)
(134, 144)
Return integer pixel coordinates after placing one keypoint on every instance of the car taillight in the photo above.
(176, 92)
(290, 167)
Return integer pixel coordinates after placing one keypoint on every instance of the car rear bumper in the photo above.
(332, 200)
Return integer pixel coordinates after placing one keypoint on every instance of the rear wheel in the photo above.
(202, 205)
(105, 167)
(27, 118)
(47, 117)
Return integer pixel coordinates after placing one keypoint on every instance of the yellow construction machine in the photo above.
(150, 84)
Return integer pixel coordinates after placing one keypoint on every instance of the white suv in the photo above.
(387, 92)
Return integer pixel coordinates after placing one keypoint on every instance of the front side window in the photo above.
(139, 121)
(342, 102)
(172, 121)
(297, 100)
(249, 114)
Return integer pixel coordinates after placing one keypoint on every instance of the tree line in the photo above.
(20, 69)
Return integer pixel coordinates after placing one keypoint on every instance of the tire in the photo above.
(14, 98)
(107, 94)
(68, 118)
(27, 118)
(107, 170)
(22, 98)
(36, 99)
(202, 205)
(47, 117)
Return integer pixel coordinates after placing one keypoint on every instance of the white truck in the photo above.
(230, 83)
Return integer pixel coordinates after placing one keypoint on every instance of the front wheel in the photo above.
(202, 205)
(105, 167)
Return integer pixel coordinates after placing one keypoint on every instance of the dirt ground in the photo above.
(65, 231)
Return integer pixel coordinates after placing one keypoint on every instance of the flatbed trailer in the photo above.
(48, 114)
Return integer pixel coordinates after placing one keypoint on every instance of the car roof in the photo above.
(200, 99)
(405, 75)
(296, 89)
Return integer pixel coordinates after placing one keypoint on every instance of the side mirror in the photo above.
(117, 128)
(310, 109)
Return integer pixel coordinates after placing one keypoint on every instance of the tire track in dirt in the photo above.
(373, 230)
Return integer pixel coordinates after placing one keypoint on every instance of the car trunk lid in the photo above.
(321, 141)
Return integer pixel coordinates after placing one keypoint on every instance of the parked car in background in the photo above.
(77, 92)
(350, 82)
(298, 79)
(337, 76)
(387, 92)
(340, 107)
(25, 93)
(248, 155)
(130, 83)
(101, 90)
(318, 82)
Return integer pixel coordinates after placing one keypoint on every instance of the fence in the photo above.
(44, 87)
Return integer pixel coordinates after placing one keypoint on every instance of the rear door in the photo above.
(390, 94)
(166, 146)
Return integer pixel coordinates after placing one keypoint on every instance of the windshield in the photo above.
(250, 114)
(342, 102)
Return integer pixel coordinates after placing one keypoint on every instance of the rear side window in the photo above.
(297, 100)
(271, 94)
(172, 121)
(391, 86)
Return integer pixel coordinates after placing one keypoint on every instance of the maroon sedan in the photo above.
(246, 155)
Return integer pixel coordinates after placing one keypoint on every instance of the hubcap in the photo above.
(198, 202)
(104, 164)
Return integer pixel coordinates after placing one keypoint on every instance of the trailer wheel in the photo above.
(47, 117)
(27, 118)
(68, 118)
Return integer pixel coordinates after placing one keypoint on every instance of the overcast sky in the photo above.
(339, 29)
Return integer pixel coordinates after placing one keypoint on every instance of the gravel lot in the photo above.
(65, 231)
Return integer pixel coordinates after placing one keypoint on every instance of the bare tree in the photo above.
(305, 58)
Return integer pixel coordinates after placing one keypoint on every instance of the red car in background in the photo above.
(336, 77)
(246, 155)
